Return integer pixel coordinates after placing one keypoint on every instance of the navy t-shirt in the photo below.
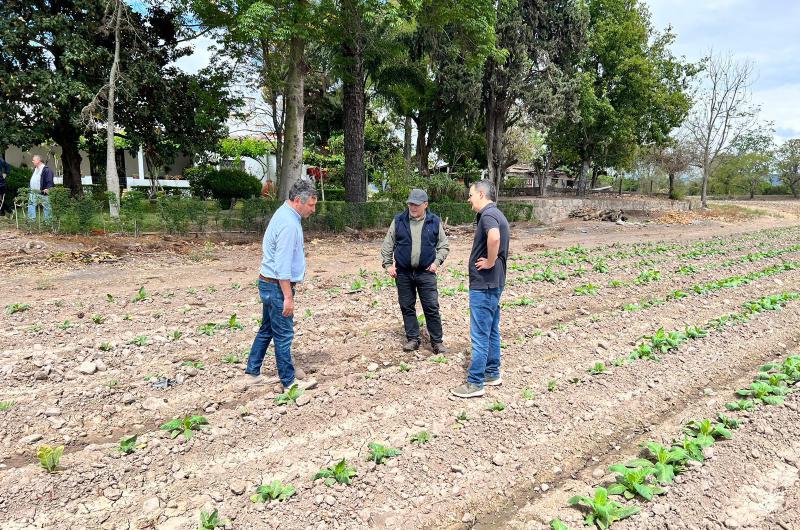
(489, 217)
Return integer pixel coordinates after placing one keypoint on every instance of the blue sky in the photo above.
(767, 32)
(764, 32)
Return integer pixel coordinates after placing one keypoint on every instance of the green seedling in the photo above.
(357, 285)
(441, 359)
(602, 511)
(141, 295)
(556, 524)
(308, 314)
(447, 291)
(421, 438)
(497, 406)
(49, 457)
(113, 383)
(462, 288)
(208, 328)
(290, 396)
(668, 462)
(233, 323)
(379, 453)
(184, 426)
(677, 295)
(598, 368)
(210, 521)
(127, 317)
(686, 269)
(615, 283)
(421, 319)
(706, 432)
(405, 367)
(34, 328)
(17, 308)
(764, 392)
(693, 448)
(620, 361)
(98, 319)
(273, 491)
(695, 332)
(7, 405)
(109, 298)
(236, 286)
(340, 473)
(600, 266)
(462, 417)
(643, 351)
(65, 325)
(200, 365)
(528, 394)
(211, 290)
(728, 422)
(588, 289)
(106, 346)
(647, 276)
(551, 385)
(175, 335)
(141, 340)
(232, 358)
(633, 481)
(742, 404)
(127, 445)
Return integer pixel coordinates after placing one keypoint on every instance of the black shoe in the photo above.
(411, 345)
(439, 348)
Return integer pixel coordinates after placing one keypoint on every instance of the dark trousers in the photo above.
(409, 283)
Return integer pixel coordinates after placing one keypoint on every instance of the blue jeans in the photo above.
(35, 198)
(273, 326)
(484, 332)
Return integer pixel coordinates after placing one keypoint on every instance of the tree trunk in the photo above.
(594, 178)
(704, 187)
(353, 102)
(407, 130)
(495, 131)
(581, 188)
(671, 185)
(422, 146)
(292, 157)
(68, 137)
(112, 178)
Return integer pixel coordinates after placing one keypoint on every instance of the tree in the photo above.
(632, 90)
(674, 158)
(754, 154)
(267, 26)
(722, 112)
(531, 77)
(788, 164)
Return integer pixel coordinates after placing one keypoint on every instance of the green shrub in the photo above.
(132, 209)
(18, 178)
(224, 184)
(439, 186)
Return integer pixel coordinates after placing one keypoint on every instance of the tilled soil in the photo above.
(75, 364)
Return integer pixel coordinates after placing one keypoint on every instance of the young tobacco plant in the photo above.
(764, 392)
(706, 432)
(141, 295)
(379, 453)
(497, 406)
(49, 457)
(598, 369)
(633, 481)
(127, 445)
(421, 438)
(184, 426)
(290, 396)
(669, 461)
(273, 491)
(603, 512)
(340, 473)
(210, 521)
(17, 308)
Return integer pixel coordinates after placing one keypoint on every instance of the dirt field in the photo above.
(78, 367)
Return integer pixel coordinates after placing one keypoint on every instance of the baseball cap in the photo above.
(417, 196)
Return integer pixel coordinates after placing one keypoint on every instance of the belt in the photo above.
(272, 280)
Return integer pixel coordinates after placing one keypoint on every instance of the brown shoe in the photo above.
(439, 348)
(411, 345)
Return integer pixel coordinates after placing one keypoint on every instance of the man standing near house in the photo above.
(414, 248)
(487, 277)
(5, 171)
(40, 185)
(283, 265)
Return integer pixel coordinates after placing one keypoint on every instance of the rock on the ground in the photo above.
(87, 367)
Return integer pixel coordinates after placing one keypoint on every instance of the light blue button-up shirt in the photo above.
(284, 258)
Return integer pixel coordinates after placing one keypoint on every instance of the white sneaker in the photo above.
(307, 384)
(496, 381)
(258, 380)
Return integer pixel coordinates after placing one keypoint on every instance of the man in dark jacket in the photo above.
(5, 171)
(40, 185)
(414, 248)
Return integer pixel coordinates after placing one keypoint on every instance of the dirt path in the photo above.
(75, 364)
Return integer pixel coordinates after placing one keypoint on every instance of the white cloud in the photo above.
(199, 59)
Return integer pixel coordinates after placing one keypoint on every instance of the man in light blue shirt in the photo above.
(282, 266)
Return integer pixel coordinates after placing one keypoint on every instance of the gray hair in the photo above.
(37, 157)
(303, 188)
(487, 187)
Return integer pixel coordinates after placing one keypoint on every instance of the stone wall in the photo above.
(555, 209)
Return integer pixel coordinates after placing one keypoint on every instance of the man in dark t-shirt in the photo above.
(487, 277)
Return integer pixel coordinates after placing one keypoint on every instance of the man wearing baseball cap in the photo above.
(413, 250)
